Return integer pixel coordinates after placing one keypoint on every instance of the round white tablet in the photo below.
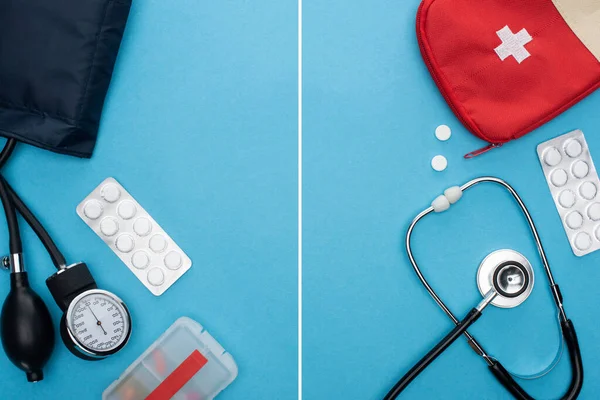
(559, 177)
(552, 156)
(588, 190)
(125, 243)
(566, 198)
(158, 243)
(597, 232)
(142, 226)
(93, 209)
(109, 226)
(574, 220)
(173, 260)
(111, 193)
(156, 277)
(443, 132)
(573, 148)
(580, 169)
(583, 241)
(593, 212)
(126, 209)
(140, 259)
(439, 163)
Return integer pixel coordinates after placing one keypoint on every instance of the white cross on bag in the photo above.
(513, 44)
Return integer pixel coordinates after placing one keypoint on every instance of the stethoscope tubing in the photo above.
(477, 347)
(501, 374)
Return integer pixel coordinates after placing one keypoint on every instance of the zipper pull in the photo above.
(482, 150)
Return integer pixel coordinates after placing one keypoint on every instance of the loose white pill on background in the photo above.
(93, 209)
(588, 190)
(574, 220)
(109, 226)
(173, 260)
(111, 193)
(443, 132)
(142, 226)
(158, 243)
(125, 243)
(573, 148)
(156, 277)
(593, 212)
(126, 209)
(583, 241)
(566, 198)
(580, 169)
(140, 259)
(559, 177)
(439, 163)
(552, 156)
(597, 232)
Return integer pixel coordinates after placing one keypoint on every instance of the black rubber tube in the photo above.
(7, 151)
(574, 389)
(58, 259)
(419, 367)
(15, 245)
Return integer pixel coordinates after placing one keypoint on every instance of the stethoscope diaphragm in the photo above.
(508, 273)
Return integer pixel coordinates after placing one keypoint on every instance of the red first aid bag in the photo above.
(506, 67)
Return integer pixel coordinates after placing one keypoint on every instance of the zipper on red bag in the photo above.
(482, 150)
(433, 73)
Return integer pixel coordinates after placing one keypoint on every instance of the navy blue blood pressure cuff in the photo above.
(56, 63)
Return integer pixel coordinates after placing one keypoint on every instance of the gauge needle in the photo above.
(97, 320)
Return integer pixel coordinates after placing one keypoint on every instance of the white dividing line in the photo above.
(299, 199)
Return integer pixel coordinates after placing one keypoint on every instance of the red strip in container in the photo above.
(179, 377)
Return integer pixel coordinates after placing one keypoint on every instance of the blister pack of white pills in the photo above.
(573, 182)
(134, 236)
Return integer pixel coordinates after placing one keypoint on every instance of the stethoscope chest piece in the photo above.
(510, 274)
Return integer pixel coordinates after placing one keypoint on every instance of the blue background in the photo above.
(201, 127)
(370, 112)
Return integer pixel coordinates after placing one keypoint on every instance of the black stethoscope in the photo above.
(505, 279)
(26, 327)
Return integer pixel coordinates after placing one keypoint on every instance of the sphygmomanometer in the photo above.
(56, 64)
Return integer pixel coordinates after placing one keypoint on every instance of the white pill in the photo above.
(597, 232)
(573, 148)
(552, 156)
(158, 243)
(140, 259)
(574, 220)
(580, 169)
(559, 177)
(125, 243)
(593, 212)
(109, 226)
(439, 163)
(142, 226)
(453, 194)
(440, 204)
(127, 209)
(588, 190)
(93, 209)
(111, 193)
(583, 241)
(443, 132)
(173, 260)
(566, 198)
(156, 277)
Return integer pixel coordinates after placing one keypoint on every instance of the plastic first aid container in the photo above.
(185, 363)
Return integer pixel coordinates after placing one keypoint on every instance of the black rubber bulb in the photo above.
(26, 328)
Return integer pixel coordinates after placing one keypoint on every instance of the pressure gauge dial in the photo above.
(98, 323)
(95, 323)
